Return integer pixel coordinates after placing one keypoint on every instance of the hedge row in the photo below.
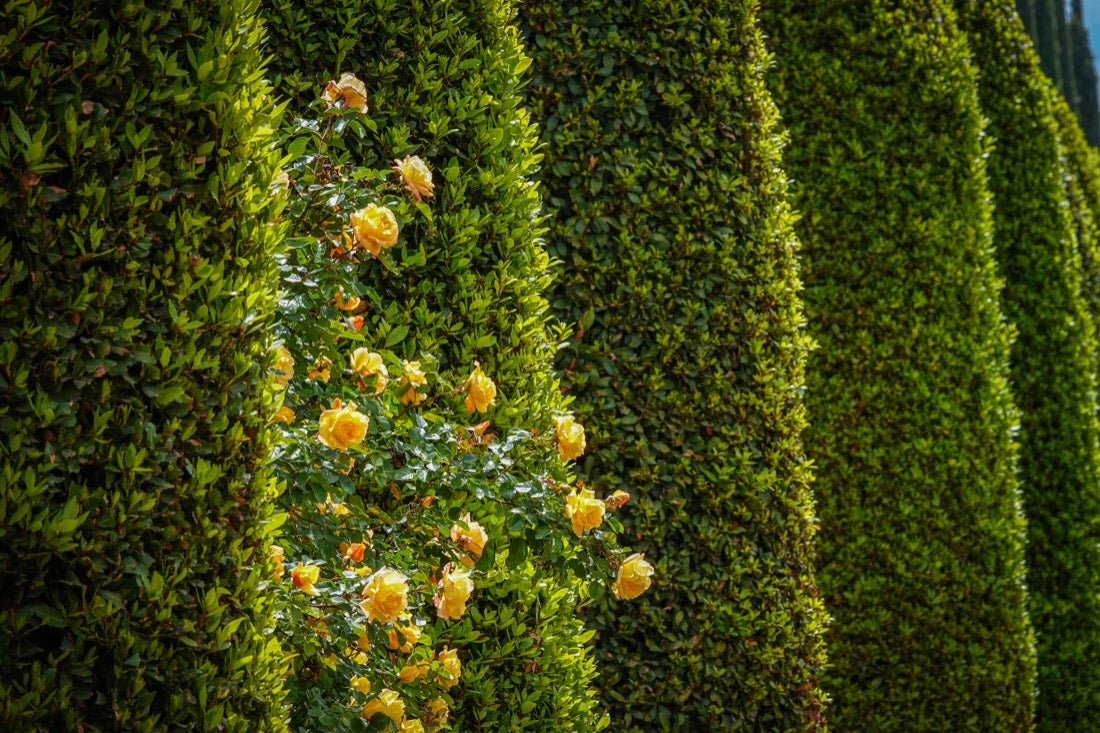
(679, 276)
(136, 291)
(921, 542)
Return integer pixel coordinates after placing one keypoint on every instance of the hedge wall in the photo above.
(1053, 362)
(921, 543)
(679, 272)
(136, 290)
(465, 283)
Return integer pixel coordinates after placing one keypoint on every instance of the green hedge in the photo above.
(463, 284)
(136, 289)
(921, 542)
(679, 272)
(1053, 362)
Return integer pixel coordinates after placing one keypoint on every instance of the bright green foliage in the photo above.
(463, 284)
(136, 290)
(671, 219)
(1053, 367)
(1083, 186)
(921, 541)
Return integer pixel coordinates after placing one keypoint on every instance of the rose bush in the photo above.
(397, 510)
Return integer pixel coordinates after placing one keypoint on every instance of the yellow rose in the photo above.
(471, 538)
(411, 634)
(342, 426)
(616, 500)
(452, 667)
(634, 577)
(304, 576)
(277, 556)
(284, 366)
(570, 437)
(454, 591)
(584, 510)
(436, 714)
(349, 90)
(368, 364)
(375, 228)
(362, 684)
(412, 672)
(388, 703)
(412, 725)
(415, 175)
(480, 391)
(412, 377)
(284, 415)
(386, 596)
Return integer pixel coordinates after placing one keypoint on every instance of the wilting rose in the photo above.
(369, 364)
(416, 176)
(480, 391)
(349, 90)
(584, 510)
(634, 577)
(471, 538)
(389, 703)
(454, 591)
(453, 667)
(412, 377)
(570, 436)
(284, 366)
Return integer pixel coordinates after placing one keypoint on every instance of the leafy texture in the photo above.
(670, 218)
(921, 543)
(136, 290)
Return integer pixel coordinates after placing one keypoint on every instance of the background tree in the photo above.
(921, 541)
(136, 292)
(670, 217)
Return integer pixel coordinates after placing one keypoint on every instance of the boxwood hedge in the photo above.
(1053, 359)
(670, 217)
(136, 289)
(921, 542)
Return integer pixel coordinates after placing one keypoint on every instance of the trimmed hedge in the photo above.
(921, 542)
(1053, 361)
(136, 290)
(463, 284)
(671, 219)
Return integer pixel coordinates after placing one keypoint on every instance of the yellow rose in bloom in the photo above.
(454, 591)
(570, 437)
(342, 426)
(389, 703)
(412, 672)
(453, 667)
(635, 576)
(277, 556)
(385, 596)
(349, 90)
(436, 714)
(284, 366)
(304, 576)
(412, 725)
(471, 538)
(284, 415)
(362, 684)
(584, 510)
(415, 175)
(412, 377)
(480, 391)
(369, 364)
(375, 228)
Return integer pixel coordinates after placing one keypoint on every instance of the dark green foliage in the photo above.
(1053, 368)
(670, 216)
(464, 283)
(921, 541)
(1043, 18)
(1084, 71)
(1083, 186)
(136, 289)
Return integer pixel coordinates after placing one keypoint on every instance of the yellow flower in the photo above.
(304, 576)
(412, 672)
(452, 666)
(284, 366)
(362, 641)
(349, 90)
(436, 714)
(368, 364)
(284, 415)
(362, 684)
(386, 596)
(412, 725)
(277, 556)
(388, 703)
(411, 634)
(634, 577)
(375, 228)
(350, 304)
(570, 437)
(321, 370)
(352, 551)
(471, 538)
(616, 500)
(412, 377)
(415, 175)
(342, 426)
(480, 391)
(584, 510)
(454, 591)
